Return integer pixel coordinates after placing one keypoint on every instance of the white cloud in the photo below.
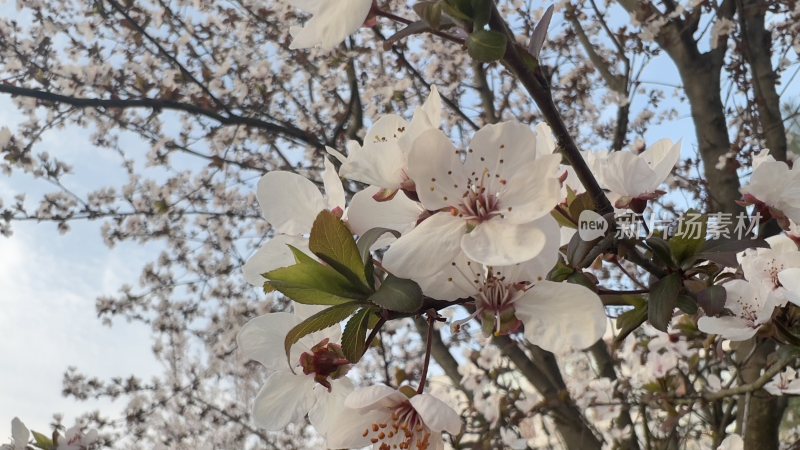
(48, 284)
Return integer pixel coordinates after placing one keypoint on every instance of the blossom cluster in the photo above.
(474, 223)
(74, 438)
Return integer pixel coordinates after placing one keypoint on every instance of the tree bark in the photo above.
(700, 74)
(760, 419)
(757, 46)
(542, 372)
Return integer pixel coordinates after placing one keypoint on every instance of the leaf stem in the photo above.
(374, 332)
(432, 315)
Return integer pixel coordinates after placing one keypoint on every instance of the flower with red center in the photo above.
(290, 203)
(634, 178)
(484, 202)
(387, 419)
(774, 189)
(382, 160)
(555, 316)
(315, 384)
(751, 305)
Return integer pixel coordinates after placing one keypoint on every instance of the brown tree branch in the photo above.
(156, 104)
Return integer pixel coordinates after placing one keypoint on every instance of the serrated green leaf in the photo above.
(324, 319)
(481, 11)
(578, 249)
(563, 220)
(42, 441)
(452, 10)
(723, 250)
(632, 319)
(368, 239)
(686, 245)
(560, 272)
(579, 204)
(312, 283)
(333, 242)
(486, 46)
(662, 252)
(663, 300)
(430, 12)
(355, 335)
(398, 294)
(712, 300)
(687, 304)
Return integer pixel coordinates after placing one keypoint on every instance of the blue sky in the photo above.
(48, 286)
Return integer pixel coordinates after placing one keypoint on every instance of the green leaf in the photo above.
(481, 11)
(632, 319)
(578, 249)
(723, 250)
(453, 9)
(333, 242)
(563, 220)
(663, 300)
(486, 46)
(430, 12)
(367, 240)
(686, 245)
(560, 272)
(355, 335)
(398, 294)
(579, 204)
(712, 300)
(319, 321)
(312, 283)
(42, 441)
(662, 251)
(687, 304)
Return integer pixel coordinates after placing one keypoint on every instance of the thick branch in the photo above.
(757, 50)
(529, 73)
(162, 104)
(568, 419)
(758, 383)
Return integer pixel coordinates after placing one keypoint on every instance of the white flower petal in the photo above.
(561, 316)
(454, 281)
(289, 202)
(427, 117)
(499, 243)
(732, 442)
(661, 157)
(436, 414)
(334, 191)
(498, 151)
(537, 268)
(261, 339)
(329, 405)
(285, 398)
(627, 174)
(729, 327)
(374, 397)
(436, 169)
(274, 254)
(426, 249)
(380, 161)
(20, 433)
(332, 22)
(399, 214)
(532, 192)
(545, 143)
(346, 429)
(790, 279)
